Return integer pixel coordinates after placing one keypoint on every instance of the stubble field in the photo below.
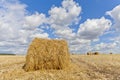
(83, 67)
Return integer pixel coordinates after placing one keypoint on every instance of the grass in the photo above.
(83, 67)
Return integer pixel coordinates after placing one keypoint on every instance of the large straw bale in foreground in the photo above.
(47, 54)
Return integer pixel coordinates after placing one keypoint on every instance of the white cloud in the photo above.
(18, 27)
(115, 14)
(80, 48)
(78, 45)
(62, 17)
(34, 20)
(14, 17)
(93, 28)
(106, 47)
(10, 19)
(44, 35)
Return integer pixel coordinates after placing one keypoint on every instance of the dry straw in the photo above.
(89, 53)
(93, 53)
(96, 53)
(47, 54)
(111, 53)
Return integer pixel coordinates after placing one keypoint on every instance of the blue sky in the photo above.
(87, 25)
(90, 9)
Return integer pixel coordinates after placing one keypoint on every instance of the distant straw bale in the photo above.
(47, 54)
(111, 53)
(89, 53)
(93, 53)
(96, 53)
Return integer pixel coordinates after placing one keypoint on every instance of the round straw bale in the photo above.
(89, 53)
(96, 53)
(111, 53)
(47, 54)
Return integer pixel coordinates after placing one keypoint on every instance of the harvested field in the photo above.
(100, 67)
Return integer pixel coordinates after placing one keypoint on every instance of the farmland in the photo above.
(83, 67)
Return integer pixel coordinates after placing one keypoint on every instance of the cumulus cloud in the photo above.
(106, 47)
(62, 17)
(78, 45)
(115, 14)
(88, 33)
(34, 20)
(93, 28)
(16, 26)
(10, 19)
(44, 35)
(19, 27)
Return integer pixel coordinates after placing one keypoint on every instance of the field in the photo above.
(83, 67)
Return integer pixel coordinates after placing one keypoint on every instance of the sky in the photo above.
(87, 25)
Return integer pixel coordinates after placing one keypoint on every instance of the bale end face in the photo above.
(47, 54)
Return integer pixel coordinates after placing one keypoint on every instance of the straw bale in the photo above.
(111, 53)
(47, 54)
(89, 53)
(96, 53)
